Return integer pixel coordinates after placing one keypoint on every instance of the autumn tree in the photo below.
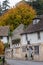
(21, 13)
(1, 48)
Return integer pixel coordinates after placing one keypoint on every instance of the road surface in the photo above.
(21, 62)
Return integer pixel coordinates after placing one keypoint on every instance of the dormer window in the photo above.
(35, 21)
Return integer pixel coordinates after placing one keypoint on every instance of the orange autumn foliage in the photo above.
(21, 13)
(1, 48)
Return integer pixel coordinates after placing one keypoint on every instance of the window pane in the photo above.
(36, 49)
(28, 42)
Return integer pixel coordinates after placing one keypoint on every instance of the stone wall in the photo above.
(39, 57)
(36, 57)
(8, 53)
(14, 53)
(19, 53)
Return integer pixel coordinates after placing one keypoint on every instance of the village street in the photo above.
(21, 62)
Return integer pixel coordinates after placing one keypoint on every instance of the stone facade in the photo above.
(20, 52)
(16, 53)
(37, 54)
(8, 53)
(40, 56)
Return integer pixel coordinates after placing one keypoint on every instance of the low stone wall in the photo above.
(14, 53)
(8, 53)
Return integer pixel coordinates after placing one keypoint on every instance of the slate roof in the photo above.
(32, 28)
(4, 30)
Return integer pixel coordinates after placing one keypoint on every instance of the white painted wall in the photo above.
(4, 40)
(33, 38)
(23, 40)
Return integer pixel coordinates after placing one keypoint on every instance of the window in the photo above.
(35, 21)
(28, 42)
(16, 41)
(38, 35)
(36, 49)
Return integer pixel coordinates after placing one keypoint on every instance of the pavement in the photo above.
(22, 62)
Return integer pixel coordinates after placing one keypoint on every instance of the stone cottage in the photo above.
(32, 38)
(16, 44)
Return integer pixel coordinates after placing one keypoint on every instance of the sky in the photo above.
(12, 2)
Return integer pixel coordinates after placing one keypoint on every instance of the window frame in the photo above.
(36, 21)
(36, 50)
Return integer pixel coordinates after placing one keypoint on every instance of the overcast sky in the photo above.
(12, 2)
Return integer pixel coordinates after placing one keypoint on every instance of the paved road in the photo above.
(19, 62)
